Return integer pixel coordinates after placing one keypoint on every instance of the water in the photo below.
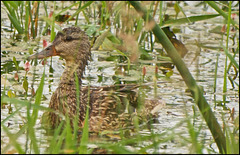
(170, 92)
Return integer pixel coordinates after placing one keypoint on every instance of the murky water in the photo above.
(171, 92)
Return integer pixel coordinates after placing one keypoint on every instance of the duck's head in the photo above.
(71, 44)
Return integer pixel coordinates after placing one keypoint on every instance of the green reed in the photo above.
(215, 81)
(17, 21)
(12, 8)
(222, 13)
(231, 140)
(189, 80)
(32, 114)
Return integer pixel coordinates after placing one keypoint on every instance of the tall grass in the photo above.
(189, 80)
(32, 114)
(66, 139)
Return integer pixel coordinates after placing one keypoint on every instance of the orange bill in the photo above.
(47, 52)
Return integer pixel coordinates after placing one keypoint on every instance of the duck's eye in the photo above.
(68, 38)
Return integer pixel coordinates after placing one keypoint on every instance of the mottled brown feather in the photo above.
(107, 110)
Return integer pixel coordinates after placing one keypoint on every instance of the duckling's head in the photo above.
(72, 44)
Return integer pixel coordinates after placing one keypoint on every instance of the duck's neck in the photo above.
(67, 90)
(75, 64)
(72, 68)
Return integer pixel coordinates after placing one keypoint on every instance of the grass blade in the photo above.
(16, 24)
(191, 19)
(197, 93)
(84, 139)
(38, 97)
(79, 10)
(220, 11)
(13, 140)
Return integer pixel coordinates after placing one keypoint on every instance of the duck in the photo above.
(110, 107)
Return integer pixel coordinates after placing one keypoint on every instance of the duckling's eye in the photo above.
(68, 38)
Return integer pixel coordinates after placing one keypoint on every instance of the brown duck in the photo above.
(110, 107)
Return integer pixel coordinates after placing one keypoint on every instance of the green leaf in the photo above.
(25, 85)
(176, 8)
(231, 58)
(15, 62)
(91, 30)
(38, 97)
(221, 12)
(114, 39)
(65, 9)
(10, 94)
(13, 140)
(16, 24)
(79, 10)
(50, 22)
(30, 50)
(84, 139)
(186, 20)
(13, 4)
(99, 41)
(169, 74)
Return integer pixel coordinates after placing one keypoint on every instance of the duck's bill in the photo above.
(47, 52)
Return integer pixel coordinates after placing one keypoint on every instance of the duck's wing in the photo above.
(123, 92)
(114, 107)
(117, 87)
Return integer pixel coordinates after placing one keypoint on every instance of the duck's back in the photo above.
(110, 106)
